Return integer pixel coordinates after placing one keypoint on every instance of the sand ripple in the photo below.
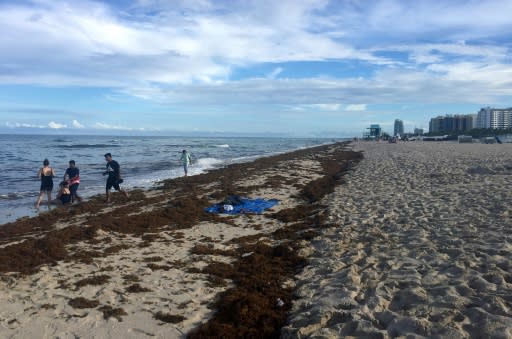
(421, 247)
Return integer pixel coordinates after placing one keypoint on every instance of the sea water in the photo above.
(144, 161)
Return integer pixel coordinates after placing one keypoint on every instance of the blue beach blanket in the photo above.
(244, 206)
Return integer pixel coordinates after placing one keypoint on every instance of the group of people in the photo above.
(68, 187)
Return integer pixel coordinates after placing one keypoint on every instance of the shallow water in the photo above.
(144, 161)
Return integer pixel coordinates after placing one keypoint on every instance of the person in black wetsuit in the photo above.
(114, 176)
(73, 178)
(46, 175)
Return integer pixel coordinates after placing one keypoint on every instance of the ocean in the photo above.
(144, 161)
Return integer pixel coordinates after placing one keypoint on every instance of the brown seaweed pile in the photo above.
(258, 304)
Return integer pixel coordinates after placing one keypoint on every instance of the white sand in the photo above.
(421, 247)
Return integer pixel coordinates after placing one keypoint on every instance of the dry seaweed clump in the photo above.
(257, 305)
(25, 257)
(94, 280)
(110, 312)
(169, 318)
(83, 303)
(136, 288)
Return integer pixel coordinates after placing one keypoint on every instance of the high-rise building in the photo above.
(418, 131)
(483, 119)
(497, 118)
(399, 127)
(449, 123)
(441, 124)
(463, 122)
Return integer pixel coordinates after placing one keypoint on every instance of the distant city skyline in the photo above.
(313, 68)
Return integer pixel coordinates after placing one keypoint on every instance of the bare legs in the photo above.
(74, 194)
(40, 198)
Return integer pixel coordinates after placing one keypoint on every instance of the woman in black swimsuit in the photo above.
(46, 174)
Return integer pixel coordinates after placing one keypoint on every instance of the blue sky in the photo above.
(290, 68)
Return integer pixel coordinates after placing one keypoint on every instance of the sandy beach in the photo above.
(158, 265)
(421, 247)
(368, 240)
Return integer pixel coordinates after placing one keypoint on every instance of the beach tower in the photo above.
(375, 132)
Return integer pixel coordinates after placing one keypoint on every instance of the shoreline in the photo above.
(154, 265)
(24, 209)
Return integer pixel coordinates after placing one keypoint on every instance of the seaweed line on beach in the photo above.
(257, 305)
(260, 268)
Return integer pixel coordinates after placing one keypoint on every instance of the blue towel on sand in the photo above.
(246, 206)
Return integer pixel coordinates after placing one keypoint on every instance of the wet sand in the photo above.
(158, 265)
(375, 240)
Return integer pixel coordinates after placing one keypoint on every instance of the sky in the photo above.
(297, 68)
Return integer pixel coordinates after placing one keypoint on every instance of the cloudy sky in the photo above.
(287, 67)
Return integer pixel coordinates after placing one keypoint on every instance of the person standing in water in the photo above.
(186, 160)
(114, 177)
(46, 175)
(73, 178)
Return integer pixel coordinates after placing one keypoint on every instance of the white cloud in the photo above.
(454, 83)
(90, 43)
(327, 107)
(21, 125)
(356, 107)
(55, 125)
(101, 125)
(86, 42)
(77, 124)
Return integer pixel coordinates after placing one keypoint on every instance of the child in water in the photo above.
(64, 194)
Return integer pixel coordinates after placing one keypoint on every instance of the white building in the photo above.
(497, 118)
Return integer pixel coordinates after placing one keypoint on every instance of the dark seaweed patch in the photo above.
(83, 303)
(109, 312)
(169, 318)
(94, 280)
(136, 288)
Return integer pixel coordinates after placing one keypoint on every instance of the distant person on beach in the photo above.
(186, 160)
(114, 177)
(64, 196)
(46, 175)
(72, 176)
